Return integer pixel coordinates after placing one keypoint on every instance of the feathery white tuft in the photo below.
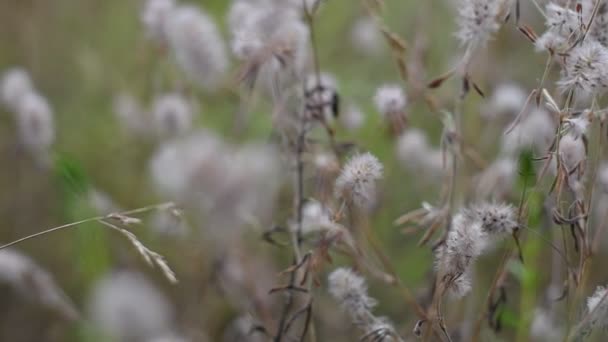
(357, 181)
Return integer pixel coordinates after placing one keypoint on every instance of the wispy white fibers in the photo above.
(128, 307)
(34, 283)
(154, 17)
(357, 181)
(350, 290)
(197, 46)
(172, 115)
(478, 20)
(15, 84)
(471, 232)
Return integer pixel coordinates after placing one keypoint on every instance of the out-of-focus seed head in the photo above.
(357, 181)
(131, 117)
(352, 118)
(390, 99)
(572, 151)
(350, 290)
(126, 306)
(14, 85)
(506, 101)
(35, 123)
(198, 46)
(172, 115)
(536, 131)
(366, 38)
(154, 17)
(497, 181)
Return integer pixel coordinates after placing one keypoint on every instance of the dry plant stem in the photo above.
(582, 324)
(92, 219)
(498, 277)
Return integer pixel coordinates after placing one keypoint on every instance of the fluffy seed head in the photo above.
(563, 27)
(572, 151)
(130, 115)
(366, 37)
(585, 69)
(154, 17)
(126, 306)
(496, 219)
(356, 182)
(497, 181)
(390, 99)
(350, 290)
(35, 123)
(172, 115)
(477, 21)
(197, 45)
(536, 130)
(15, 84)
(506, 101)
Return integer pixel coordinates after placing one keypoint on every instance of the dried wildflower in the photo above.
(478, 20)
(34, 283)
(35, 123)
(172, 115)
(585, 69)
(15, 84)
(563, 28)
(578, 125)
(128, 307)
(316, 217)
(366, 37)
(507, 100)
(356, 182)
(350, 290)
(197, 45)
(471, 232)
(154, 17)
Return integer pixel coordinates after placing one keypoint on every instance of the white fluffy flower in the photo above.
(478, 20)
(507, 100)
(572, 151)
(15, 84)
(356, 182)
(417, 156)
(536, 130)
(198, 46)
(366, 37)
(126, 306)
(154, 17)
(352, 118)
(390, 99)
(172, 115)
(131, 117)
(586, 69)
(472, 231)
(563, 27)
(35, 123)
(350, 290)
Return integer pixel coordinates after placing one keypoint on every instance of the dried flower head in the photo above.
(172, 115)
(131, 116)
(478, 20)
(15, 84)
(572, 151)
(536, 131)
(356, 182)
(585, 69)
(352, 118)
(198, 46)
(472, 231)
(563, 28)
